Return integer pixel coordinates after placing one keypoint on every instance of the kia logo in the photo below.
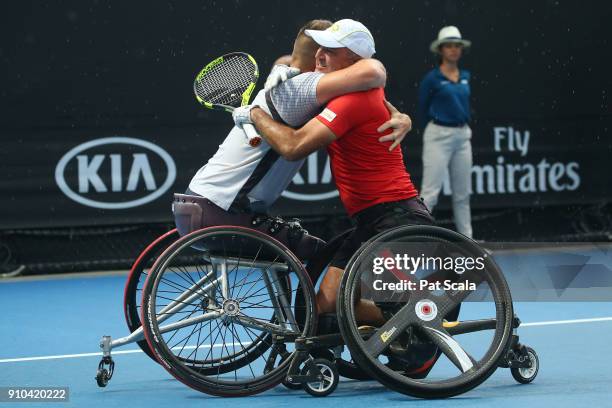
(101, 174)
(314, 176)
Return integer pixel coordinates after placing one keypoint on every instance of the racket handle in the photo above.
(252, 136)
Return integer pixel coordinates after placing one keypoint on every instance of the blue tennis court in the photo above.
(51, 328)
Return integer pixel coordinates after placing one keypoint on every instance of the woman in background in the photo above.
(444, 111)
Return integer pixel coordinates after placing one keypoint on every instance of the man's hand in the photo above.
(280, 73)
(399, 122)
(242, 115)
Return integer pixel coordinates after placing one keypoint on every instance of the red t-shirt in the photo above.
(366, 172)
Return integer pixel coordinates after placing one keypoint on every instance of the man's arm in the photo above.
(363, 75)
(290, 143)
(296, 144)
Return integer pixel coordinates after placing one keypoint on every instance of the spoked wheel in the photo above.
(446, 269)
(224, 322)
(132, 295)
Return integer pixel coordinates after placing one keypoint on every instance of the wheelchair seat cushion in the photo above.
(194, 212)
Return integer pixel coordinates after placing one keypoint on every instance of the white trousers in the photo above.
(448, 149)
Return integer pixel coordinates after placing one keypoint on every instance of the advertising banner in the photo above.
(108, 178)
(99, 124)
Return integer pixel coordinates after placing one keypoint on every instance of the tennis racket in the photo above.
(227, 83)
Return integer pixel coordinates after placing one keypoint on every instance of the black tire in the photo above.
(102, 377)
(527, 375)
(224, 241)
(330, 380)
(132, 294)
(473, 372)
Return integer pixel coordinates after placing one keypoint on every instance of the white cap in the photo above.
(448, 34)
(346, 33)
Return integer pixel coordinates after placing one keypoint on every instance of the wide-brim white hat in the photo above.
(448, 34)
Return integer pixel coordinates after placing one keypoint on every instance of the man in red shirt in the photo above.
(374, 186)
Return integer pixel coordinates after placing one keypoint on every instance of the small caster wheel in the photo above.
(527, 375)
(329, 382)
(102, 377)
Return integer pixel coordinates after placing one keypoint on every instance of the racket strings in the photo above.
(225, 83)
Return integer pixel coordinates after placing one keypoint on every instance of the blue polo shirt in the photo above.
(443, 101)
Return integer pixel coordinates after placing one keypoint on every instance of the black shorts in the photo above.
(381, 217)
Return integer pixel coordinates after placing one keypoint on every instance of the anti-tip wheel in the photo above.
(329, 381)
(102, 377)
(527, 375)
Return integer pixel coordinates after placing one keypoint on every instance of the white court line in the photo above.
(554, 322)
(99, 354)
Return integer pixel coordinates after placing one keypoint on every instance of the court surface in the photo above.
(51, 328)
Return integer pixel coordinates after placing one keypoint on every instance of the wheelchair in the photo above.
(230, 311)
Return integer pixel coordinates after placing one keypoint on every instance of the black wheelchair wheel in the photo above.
(465, 353)
(132, 294)
(223, 322)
